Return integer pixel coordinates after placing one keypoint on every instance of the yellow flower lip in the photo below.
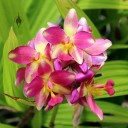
(68, 46)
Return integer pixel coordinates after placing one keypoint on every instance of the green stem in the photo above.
(51, 125)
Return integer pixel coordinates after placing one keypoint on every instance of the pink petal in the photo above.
(20, 75)
(83, 25)
(58, 64)
(74, 96)
(44, 69)
(99, 59)
(22, 55)
(81, 77)
(84, 67)
(71, 22)
(55, 100)
(88, 59)
(82, 90)
(63, 78)
(109, 87)
(34, 87)
(40, 42)
(82, 101)
(47, 52)
(94, 107)
(99, 47)
(41, 98)
(54, 35)
(31, 71)
(77, 55)
(83, 40)
(31, 43)
(61, 89)
(81, 67)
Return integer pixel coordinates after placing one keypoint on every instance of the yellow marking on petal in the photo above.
(37, 56)
(39, 105)
(60, 89)
(68, 46)
(34, 67)
(45, 34)
(40, 47)
(71, 13)
(107, 44)
(12, 55)
(78, 57)
(69, 30)
(91, 41)
(71, 76)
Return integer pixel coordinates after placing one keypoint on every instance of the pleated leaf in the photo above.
(102, 4)
(40, 13)
(6, 126)
(9, 71)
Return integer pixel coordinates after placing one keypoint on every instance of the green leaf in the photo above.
(117, 71)
(112, 113)
(6, 126)
(21, 100)
(9, 71)
(103, 4)
(12, 14)
(119, 46)
(64, 6)
(40, 13)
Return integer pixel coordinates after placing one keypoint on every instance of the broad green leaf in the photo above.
(117, 71)
(12, 14)
(40, 13)
(6, 126)
(9, 71)
(65, 5)
(111, 108)
(114, 113)
(102, 4)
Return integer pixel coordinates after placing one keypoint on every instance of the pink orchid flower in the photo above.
(84, 95)
(68, 44)
(95, 54)
(50, 86)
(37, 50)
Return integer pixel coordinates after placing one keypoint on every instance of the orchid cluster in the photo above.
(61, 64)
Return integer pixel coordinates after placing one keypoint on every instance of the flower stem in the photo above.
(51, 124)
